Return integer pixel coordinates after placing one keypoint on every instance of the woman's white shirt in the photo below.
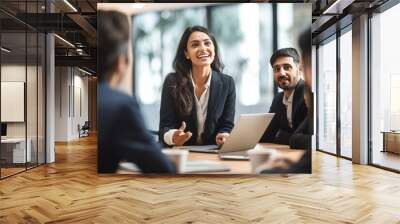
(201, 107)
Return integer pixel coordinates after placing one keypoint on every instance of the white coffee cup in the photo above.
(259, 156)
(178, 157)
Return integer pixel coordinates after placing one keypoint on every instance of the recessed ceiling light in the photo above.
(65, 41)
(5, 50)
(84, 71)
(337, 7)
(70, 5)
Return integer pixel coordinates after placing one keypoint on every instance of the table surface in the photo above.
(240, 166)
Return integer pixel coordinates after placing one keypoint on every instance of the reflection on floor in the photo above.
(386, 159)
(10, 169)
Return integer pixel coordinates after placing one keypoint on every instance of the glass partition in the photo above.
(13, 107)
(22, 89)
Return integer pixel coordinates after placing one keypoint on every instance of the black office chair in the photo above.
(84, 130)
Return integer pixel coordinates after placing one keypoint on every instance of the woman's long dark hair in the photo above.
(183, 89)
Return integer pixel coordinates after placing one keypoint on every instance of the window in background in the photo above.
(239, 49)
(244, 52)
(285, 24)
(346, 94)
(156, 37)
(385, 84)
(327, 96)
(289, 25)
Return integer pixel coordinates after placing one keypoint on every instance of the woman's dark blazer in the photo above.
(220, 111)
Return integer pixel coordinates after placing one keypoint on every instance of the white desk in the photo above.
(391, 141)
(16, 147)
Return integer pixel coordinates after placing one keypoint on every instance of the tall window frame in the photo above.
(373, 63)
(338, 100)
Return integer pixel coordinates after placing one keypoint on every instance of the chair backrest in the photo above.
(86, 125)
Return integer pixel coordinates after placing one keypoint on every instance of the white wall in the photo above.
(81, 103)
(71, 102)
(50, 94)
(62, 81)
(13, 73)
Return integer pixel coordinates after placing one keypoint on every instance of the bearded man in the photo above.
(289, 105)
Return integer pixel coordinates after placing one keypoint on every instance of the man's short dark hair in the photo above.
(285, 52)
(113, 36)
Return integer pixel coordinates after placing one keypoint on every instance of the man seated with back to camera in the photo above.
(122, 134)
(289, 106)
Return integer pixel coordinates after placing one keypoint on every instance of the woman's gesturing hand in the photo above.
(180, 136)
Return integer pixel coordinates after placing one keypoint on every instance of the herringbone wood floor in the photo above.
(70, 191)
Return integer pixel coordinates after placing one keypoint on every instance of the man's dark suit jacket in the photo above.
(122, 135)
(304, 165)
(220, 112)
(301, 137)
(279, 130)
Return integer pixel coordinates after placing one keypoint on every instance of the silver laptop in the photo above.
(244, 136)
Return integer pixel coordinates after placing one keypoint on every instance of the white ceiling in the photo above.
(136, 8)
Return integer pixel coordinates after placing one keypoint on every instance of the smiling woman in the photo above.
(200, 50)
(198, 101)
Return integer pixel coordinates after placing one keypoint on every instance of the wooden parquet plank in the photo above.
(70, 191)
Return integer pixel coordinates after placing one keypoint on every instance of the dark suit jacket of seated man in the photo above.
(123, 136)
(279, 130)
(220, 111)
